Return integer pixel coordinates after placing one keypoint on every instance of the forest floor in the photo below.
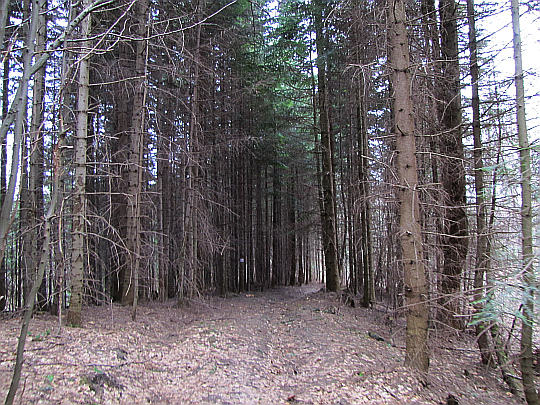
(282, 346)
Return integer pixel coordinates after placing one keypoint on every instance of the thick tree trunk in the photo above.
(529, 283)
(416, 307)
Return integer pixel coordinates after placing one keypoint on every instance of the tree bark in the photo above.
(416, 308)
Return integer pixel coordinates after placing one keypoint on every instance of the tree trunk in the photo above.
(363, 178)
(455, 229)
(133, 236)
(190, 269)
(4, 17)
(481, 239)
(328, 214)
(417, 351)
(291, 235)
(17, 112)
(261, 269)
(277, 229)
(164, 191)
(36, 203)
(528, 320)
(79, 186)
(44, 258)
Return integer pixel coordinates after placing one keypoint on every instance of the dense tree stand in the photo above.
(200, 150)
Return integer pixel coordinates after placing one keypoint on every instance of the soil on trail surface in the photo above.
(287, 345)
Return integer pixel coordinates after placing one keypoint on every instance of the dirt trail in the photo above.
(288, 345)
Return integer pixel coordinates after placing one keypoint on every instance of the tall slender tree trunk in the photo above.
(36, 203)
(42, 265)
(261, 270)
(455, 229)
(526, 358)
(365, 221)
(291, 234)
(328, 214)
(498, 345)
(277, 228)
(416, 308)
(17, 111)
(192, 170)
(164, 190)
(481, 261)
(79, 185)
(4, 18)
(133, 236)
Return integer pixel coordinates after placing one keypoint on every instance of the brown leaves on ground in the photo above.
(290, 345)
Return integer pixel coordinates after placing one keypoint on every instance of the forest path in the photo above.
(285, 345)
